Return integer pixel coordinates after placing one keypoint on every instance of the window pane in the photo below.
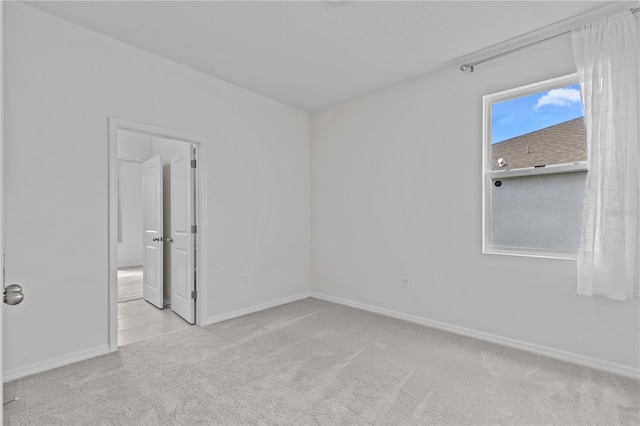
(543, 128)
(537, 212)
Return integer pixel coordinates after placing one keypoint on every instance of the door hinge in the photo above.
(193, 164)
(194, 229)
(194, 294)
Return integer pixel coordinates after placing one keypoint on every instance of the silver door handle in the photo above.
(170, 239)
(13, 294)
(157, 239)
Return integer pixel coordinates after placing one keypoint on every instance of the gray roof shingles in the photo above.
(562, 143)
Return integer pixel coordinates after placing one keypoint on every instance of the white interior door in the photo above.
(152, 240)
(182, 247)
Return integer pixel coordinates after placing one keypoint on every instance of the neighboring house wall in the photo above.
(397, 192)
(543, 212)
(65, 82)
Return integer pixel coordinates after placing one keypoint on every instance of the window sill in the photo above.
(534, 171)
(504, 251)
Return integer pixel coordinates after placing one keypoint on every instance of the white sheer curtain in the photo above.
(607, 57)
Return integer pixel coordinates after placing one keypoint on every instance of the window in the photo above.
(534, 169)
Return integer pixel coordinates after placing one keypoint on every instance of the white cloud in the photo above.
(559, 97)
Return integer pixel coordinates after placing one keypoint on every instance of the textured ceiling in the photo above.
(315, 54)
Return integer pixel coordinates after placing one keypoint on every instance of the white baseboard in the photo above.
(129, 265)
(571, 357)
(256, 308)
(50, 364)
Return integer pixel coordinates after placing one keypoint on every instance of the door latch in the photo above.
(163, 239)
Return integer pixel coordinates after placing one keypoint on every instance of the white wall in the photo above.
(396, 191)
(130, 214)
(63, 82)
(134, 145)
(165, 148)
(138, 147)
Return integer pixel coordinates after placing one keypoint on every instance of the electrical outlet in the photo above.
(405, 283)
(245, 280)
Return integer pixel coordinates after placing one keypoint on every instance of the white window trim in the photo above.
(489, 175)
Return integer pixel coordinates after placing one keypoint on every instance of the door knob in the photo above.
(170, 239)
(13, 294)
(157, 239)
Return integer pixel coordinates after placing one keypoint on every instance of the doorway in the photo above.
(156, 208)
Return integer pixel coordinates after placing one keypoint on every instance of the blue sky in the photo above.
(527, 114)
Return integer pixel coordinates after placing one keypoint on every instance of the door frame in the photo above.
(115, 124)
(1, 202)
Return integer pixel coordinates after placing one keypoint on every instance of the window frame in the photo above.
(489, 175)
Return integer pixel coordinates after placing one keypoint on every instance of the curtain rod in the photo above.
(471, 65)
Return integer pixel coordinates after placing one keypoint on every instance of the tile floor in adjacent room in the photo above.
(140, 320)
(129, 283)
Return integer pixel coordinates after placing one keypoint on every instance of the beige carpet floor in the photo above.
(314, 362)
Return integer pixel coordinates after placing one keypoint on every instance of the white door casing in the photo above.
(1, 195)
(200, 143)
(182, 246)
(152, 223)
